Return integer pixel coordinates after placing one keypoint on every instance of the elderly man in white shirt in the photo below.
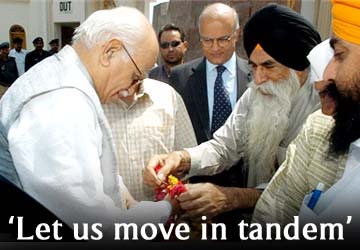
(19, 54)
(265, 120)
(55, 141)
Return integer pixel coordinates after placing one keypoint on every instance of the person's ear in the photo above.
(109, 49)
(186, 46)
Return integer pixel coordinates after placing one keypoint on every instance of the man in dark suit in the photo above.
(195, 81)
(37, 55)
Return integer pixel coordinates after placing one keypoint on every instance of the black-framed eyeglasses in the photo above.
(223, 41)
(174, 44)
(137, 68)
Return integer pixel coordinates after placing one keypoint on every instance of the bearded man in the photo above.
(264, 121)
(327, 148)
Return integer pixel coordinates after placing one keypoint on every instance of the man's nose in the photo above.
(330, 71)
(321, 85)
(260, 75)
(215, 45)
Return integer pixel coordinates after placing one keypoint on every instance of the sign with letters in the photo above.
(65, 6)
(68, 11)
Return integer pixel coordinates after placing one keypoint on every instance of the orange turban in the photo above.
(346, 20)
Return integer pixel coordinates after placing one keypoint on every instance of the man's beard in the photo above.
(176, 62)
(347, 120)
(267, 125)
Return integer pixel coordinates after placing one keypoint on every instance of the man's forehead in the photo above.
(222, 24)
(170, 34)
(339, 43)
(260, 56)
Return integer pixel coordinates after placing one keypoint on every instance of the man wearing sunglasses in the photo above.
(172, 49)
(55, 141)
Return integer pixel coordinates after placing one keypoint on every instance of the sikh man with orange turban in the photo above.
(326, 153)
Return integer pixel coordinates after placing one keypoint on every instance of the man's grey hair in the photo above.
(217, 12)
(123, 22)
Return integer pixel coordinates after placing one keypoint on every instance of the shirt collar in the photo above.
(230, 65)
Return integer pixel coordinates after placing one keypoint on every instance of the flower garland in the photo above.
(173, 186)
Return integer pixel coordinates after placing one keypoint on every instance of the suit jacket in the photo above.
(189, 80)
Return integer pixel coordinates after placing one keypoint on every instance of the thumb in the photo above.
(164, 172)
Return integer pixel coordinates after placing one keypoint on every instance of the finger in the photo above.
(190, 195)
(189, 205)
(150, 177)
(169, 166)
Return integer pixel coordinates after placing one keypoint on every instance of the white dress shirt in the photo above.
(229, 79)
(19, 59)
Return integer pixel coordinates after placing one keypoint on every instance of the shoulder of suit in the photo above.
(243, 63)
(154, 70)
(188, 65)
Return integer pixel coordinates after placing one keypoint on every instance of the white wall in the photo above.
(308, 9)
(31, 15)
(38, 22)
(13, 13)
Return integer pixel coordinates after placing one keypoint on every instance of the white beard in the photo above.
(267, 125)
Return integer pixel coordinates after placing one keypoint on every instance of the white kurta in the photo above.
(19, 59)
(56, 145)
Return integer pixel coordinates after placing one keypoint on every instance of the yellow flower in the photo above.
(172, 181)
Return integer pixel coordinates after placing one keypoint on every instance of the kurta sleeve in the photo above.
(227, 146)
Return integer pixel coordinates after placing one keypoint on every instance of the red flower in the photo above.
(157, 168)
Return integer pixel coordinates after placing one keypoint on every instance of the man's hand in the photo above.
(203, 199)
(128, 199)
(176, 163)
(176, 209)
(210, 200)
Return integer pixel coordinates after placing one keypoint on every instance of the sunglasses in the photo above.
(174, 44)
